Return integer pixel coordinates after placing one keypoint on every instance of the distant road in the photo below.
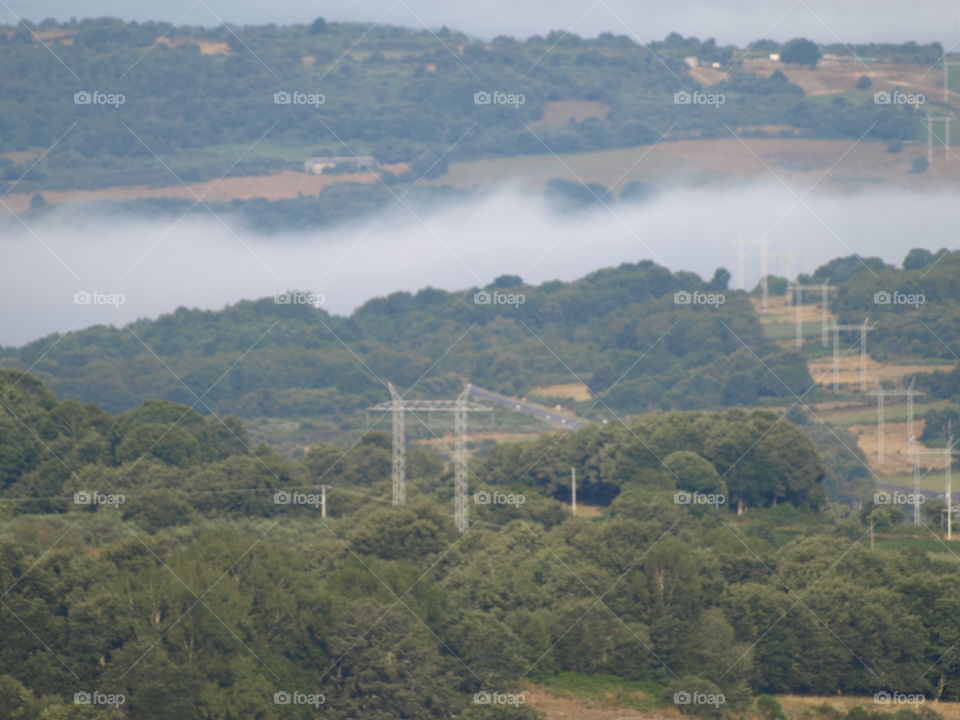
(541, 412)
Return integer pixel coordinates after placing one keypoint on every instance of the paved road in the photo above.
(527, 408)
(932, 494)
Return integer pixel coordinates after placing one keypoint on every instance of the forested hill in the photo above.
(105, 97)
(624, 332)
(155, 549)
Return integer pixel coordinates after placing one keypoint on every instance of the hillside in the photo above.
(406, 98)
(621, 331)
(157, 545)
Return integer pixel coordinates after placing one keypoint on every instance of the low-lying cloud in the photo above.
(72, 269)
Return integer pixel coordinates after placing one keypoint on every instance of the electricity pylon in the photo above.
(881, 393)
(795, 292)
(947, 454)
(397, 406)
(945, 119)
(863, 328)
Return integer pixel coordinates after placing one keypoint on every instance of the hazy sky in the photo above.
(730, 21)
(198, 262)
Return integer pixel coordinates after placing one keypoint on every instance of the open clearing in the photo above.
(705, 162)
(574, 391)
(669, 164)
(557, 707)
(286, 184)
(831, 77)
(560, 112)
(848, 370)
(896, 460)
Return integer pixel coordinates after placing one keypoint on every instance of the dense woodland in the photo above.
(197, 580)
(618, 329)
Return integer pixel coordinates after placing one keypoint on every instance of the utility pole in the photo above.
(946, 145)
(946, 137)
(323, 500)
(573, 488)
(824, 311)
(764, 272)
(399, 470)
(461, 510)
(946, 85)
(947, 455)
(739, 281)
(912, 449)
(948, 481)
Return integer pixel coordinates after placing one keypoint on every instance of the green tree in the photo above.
(800, 51)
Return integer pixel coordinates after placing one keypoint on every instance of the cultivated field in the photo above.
(283, 185)
(718, 162)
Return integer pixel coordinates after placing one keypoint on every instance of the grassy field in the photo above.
(930, 480)
(571, 696)
(711, 162)
(891, 412)
(783, 331)
(605, 690)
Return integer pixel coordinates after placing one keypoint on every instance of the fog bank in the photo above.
(70, 270)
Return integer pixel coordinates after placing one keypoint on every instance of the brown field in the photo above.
(708, 76)
(795, 705)
(556, 707)
(896, 461)
(442, 441)
(560, 112)
(719, 161)
(207, 47)
(286, 184)
(746, 157)
(836, 77)
(779, 312)
(821, 369)
(574, 391)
